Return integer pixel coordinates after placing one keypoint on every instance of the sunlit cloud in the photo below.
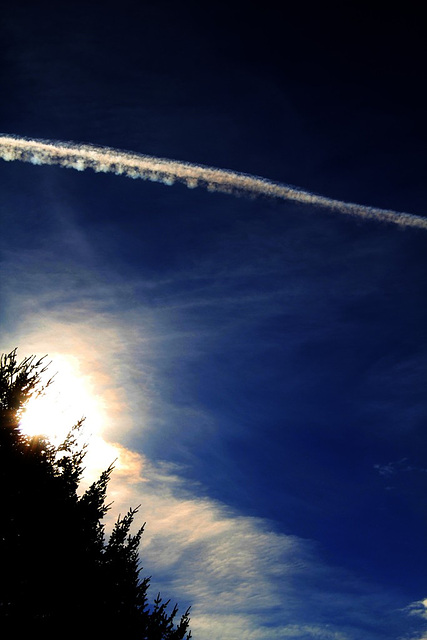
(236, 571)
(418, 608)
(242, 577)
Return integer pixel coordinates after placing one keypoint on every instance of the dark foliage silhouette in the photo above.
(57, 569)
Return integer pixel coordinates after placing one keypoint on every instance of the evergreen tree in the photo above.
(56, 566)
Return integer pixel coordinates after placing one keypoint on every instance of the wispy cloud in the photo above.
(126, 338)
(392, 468)
(242, 576)
(418, 609)
(238, 572)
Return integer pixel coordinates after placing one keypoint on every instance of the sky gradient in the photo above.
(258, 365)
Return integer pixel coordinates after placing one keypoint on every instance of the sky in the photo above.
(257, 366)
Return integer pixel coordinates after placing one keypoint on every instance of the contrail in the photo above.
(135, 165)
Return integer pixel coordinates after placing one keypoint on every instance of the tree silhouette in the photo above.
(57, 570)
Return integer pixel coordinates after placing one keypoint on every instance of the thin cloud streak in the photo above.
(133, 165)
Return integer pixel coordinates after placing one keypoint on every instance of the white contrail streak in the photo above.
(134, 165)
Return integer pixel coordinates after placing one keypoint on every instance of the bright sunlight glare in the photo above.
(70, 397)
(66, 400)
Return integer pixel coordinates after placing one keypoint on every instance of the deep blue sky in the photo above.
(273, 356)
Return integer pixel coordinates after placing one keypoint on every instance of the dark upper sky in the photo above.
(287, 345)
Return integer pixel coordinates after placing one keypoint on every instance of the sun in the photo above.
(63, 403)
(71, 397)
(48, 416)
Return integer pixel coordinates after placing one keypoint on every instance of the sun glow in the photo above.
(66, 400)
(70, 397)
